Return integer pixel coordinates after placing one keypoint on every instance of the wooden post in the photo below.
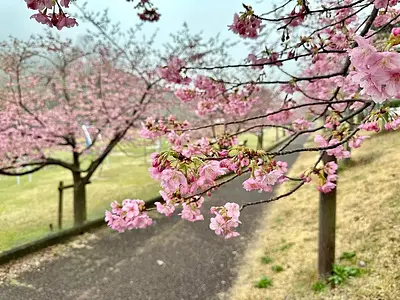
(327, 228)
(260, 139)
(347, 147)
(60, 204)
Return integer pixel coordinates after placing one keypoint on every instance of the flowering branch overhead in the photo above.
(337, 61)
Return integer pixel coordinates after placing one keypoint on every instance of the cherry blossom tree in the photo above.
(44, 110)
(53, 88)
(348, 66)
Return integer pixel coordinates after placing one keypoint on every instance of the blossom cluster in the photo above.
(172, 72)
(266, 176)
(127, 216)
(246, 25)
(328, 184)
(226, 220)
(149, 13)
(377, 73)
(153, 128)
(59, 20)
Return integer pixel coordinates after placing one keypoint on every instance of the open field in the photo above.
(284, 249)
(27, 210)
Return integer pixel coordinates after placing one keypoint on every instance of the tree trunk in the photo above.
(260, 139)
(79, 200)
(276, 134)
(327, 227)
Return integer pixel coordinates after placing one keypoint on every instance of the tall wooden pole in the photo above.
(60, 204)
(327, 228)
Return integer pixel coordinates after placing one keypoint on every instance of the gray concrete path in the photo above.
(172, 260)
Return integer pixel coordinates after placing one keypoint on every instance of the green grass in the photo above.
(277, 268)
(270, 137)
(319, 287)
(263, 283)
(26, 210)
(266, 260)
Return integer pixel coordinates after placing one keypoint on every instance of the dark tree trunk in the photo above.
(79, 199)
(327, 228)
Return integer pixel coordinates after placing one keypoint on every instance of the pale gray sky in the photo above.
(210, 16)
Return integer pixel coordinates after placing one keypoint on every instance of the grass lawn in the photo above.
(271, 135)
(283, 252)
(26, 210)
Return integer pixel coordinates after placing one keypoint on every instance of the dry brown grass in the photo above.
(367, 222)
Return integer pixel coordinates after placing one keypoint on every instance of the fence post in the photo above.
(347, 147)
(60, 204)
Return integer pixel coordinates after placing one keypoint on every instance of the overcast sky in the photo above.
(211, 16)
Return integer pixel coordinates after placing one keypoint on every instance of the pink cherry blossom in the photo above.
(246, 26)
(256, 61)
(263, 180)
(42, 18)
(320, 140)
(172, 72)
(185, 94)
(191, 211)
(378, 73)
(382, 20)
(252, 184)
(226, 220)
(130, 215)
(327, 187)
(385, 3)
(232, 210)
(61, 20)
(282, 166)
(115, 222)
(301, 124)
(116, 208)
(356, 105)
(356, 141)
(330, 168)
(297, 18)
(244, 162)
(39, 4)
(339, 152)
(64, 3)
(370, 126)
(166, 209)
(396, 31)
(306, 179)
(393, 124)
(173, 180)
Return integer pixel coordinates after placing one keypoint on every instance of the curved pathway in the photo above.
(171, 260)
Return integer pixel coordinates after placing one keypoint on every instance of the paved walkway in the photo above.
(171, 260)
